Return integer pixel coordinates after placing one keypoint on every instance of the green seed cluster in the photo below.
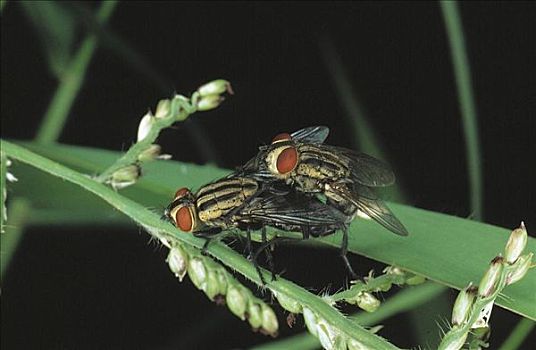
(360, 293)
(127, 170)
(329, 336)
(473, 306)
(220, 286)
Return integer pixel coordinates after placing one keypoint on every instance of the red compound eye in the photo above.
(183, 219)
(281, 137)
(181, 192)
(287, 160)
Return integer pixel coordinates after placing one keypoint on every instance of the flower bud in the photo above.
(323, 336)
(215, 87)
(516, 244)
(178, 262)
(328, 337)
(415, 280)
(236, 301)
(197, 273)
(367, 302)
(310, 321)
(254, 315)
(151, 153)
(289, 304)
(10, 177)
(222, 283)
(212, 287)
(454, 339)
(463, 304)
(162, 109)
(125, 176)
(269, 320)
(519, 269)
(491, 277)
(145, 126)
(209, 102)
(394, 270)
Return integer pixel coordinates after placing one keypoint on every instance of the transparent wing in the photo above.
(255, 168)
(292, 209)
(251, 166)
(312, 134)
(365, 170)
(367, 202)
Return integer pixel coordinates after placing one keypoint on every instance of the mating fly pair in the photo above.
(297, 183)
(244, 203)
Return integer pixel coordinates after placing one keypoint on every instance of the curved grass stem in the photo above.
(62, 101)
(518, 334)
(462, 72)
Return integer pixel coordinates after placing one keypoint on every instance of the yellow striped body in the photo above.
(216, 200)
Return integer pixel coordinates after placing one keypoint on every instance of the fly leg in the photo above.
(248, 244)
(264, 247)
(306, 232)
(344, 252)
(256, 264)
(208, 236)
(269, 256)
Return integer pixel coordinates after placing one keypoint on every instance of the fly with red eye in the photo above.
(243, 203)
(345, 177)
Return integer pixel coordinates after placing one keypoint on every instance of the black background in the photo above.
(106, 288)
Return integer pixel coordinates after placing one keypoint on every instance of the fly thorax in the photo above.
(309, 170)
(210, 214)
(326, 163)
(218, 199)
(307, 184)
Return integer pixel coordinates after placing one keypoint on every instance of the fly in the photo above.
(344, 176)
(247, 204)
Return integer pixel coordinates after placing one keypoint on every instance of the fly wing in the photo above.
(255, 168)
(365, 170)
(312, 134)
(250, 165)
(367, 202)
(292, 209)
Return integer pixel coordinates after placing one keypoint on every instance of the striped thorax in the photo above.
(218, 199)
(212, 204)
(345, 177)
(307, 164)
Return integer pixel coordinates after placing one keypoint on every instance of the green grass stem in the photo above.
(518, 335)
(462, 72)
(63, 99)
